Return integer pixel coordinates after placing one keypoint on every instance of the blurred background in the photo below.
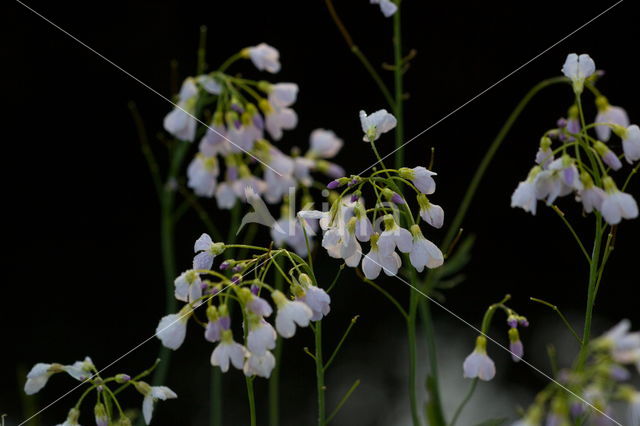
(81, 231)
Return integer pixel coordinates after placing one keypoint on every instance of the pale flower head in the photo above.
(261, 337)
(188, 287)
(228, 352)
(283, 94)
(39, 375)
(181, 122)
(72, 418)
(317, 300)
(525, 194)
(290, 314)
(324, 144)
(578, 69)
(259, 365)
(611, 115)
(264, 57)
(394, 236)
(151, 395)
(172, 328)
(478, 364)
(374, 262)
(206, 251)
(431, 213)
(617, 205)
(424, 252)
(376, 124)
(387, 7)
(81, 370)
(631, 143)
(421, 177)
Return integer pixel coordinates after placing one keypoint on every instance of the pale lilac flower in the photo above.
(608, 156)
(258, 306)
(525, 194)
(302, 168)
(376, 124)
(478, 364)
(188, 287)
(291, 232)
(591, 195)
(202, 175)
(317, 300)
(578, 69)
(631, 143)
(225, 196)
(431, 213)
(264, 57)
(374, 261)
(259, 365)
(611, 115)
(617, 204)
(277, 120)
(215, 328)
(623, 345)
(421, 177)
(214, 142)
(209, 84)
(243, 134)
(228, 351)
(363, 226)
(544, 156)
(387, 7)
(515, 345)
(324, 144)
(72, 418)
(289, 314)
(394, 236)
(172, 328)
(283, 95)
(206, 251)
(181, 122)
(424, 252)
(100, 415)
(81, 370)
(39, 375)
(261, 337)
(151, 395)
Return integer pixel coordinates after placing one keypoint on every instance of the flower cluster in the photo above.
(307, 303)
(581, 163)
(348, 223)
(240, 114)
(85, 371)
(478, 364)
(600, 383)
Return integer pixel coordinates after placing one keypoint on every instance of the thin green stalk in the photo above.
(561, 315)
(464, 402)
(339, 345)
(252, 400)
(274, 380)
(434, 408)
(320, 375)
(411, 340)
(573, 232)
(344, 399)
(398, 72)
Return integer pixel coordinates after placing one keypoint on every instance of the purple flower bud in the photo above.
(512, 321)
(122, 378)
(576, 409)
(523, 322)
(237, 123)
(236, 279)
(517, 350)
(100, 388)
(225, 265)
(232, 173)
(225, 322)
(612, 160)
(237, 268)
(561, 123)
(255, 289)
(352, 182)
(396, 198)
(354, 197)
(214, 291)
(335, 171)
(333, 184)
(569, 174)
(258, 121)
(237, 108)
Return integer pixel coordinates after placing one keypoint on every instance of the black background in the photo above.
(83, 271)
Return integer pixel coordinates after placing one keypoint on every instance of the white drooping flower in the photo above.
(264, 57)
(324, 144)
(387, 7)
(578, 69)
(376, 124)
(525, 194)
(591, 196)
(544, 156)
(314, 297)
(611, 115)
(290, 314)
(431, 213)
(478, 364)
(181, 121)
(394, 236)
(630, 142)
(375, 261)
(617, 205)
(188, 287)
(172, 328)
(259, 365)
(608, 157)
(202, 175)
(278, 119)
(291, 232)
(228, 352)
(424, 252)
(623, 345)
(81, 370)
(559, 179)
(261, 337)
(72, 418)
(206, 251)
(151, 395)
(282, 94)
(39, 375)
(421, 177)
(363, 226)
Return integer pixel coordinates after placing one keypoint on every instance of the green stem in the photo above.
(252, 400)
(398, 86)
(464, 402)
(434, 408)
(320, 375)
(274, 380)
(411, 340)
(561, 315)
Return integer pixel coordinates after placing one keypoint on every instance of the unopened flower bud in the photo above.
(122, 378)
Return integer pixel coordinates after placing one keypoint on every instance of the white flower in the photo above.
(151, 395)
(421, 178)
(209, 84)
(374, 261)
(318, 301)
(387, 7)
(394, 236)
(258, 306)
(544, 156)
(478, 364)
(72, 418)
(560, 179)
(283, 94)
(591, 197)
(525, 196)
(39, 375)
(324, 144)
(81, 370)
(188, 287)
(617, 204)
(278, 119)
(363, 226)
(180, 122)
(609, 114)
(433, 214)
(214, 142)
(202, 174)
(261, 337)
(172, 328)
(264, 57)
(623, 345)
(206, 251)
(259, 365)
(631, 143)
(289, 314)
(227, 352)
(424, 252)
(291, 232)
(578, 69)
(376, 124)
